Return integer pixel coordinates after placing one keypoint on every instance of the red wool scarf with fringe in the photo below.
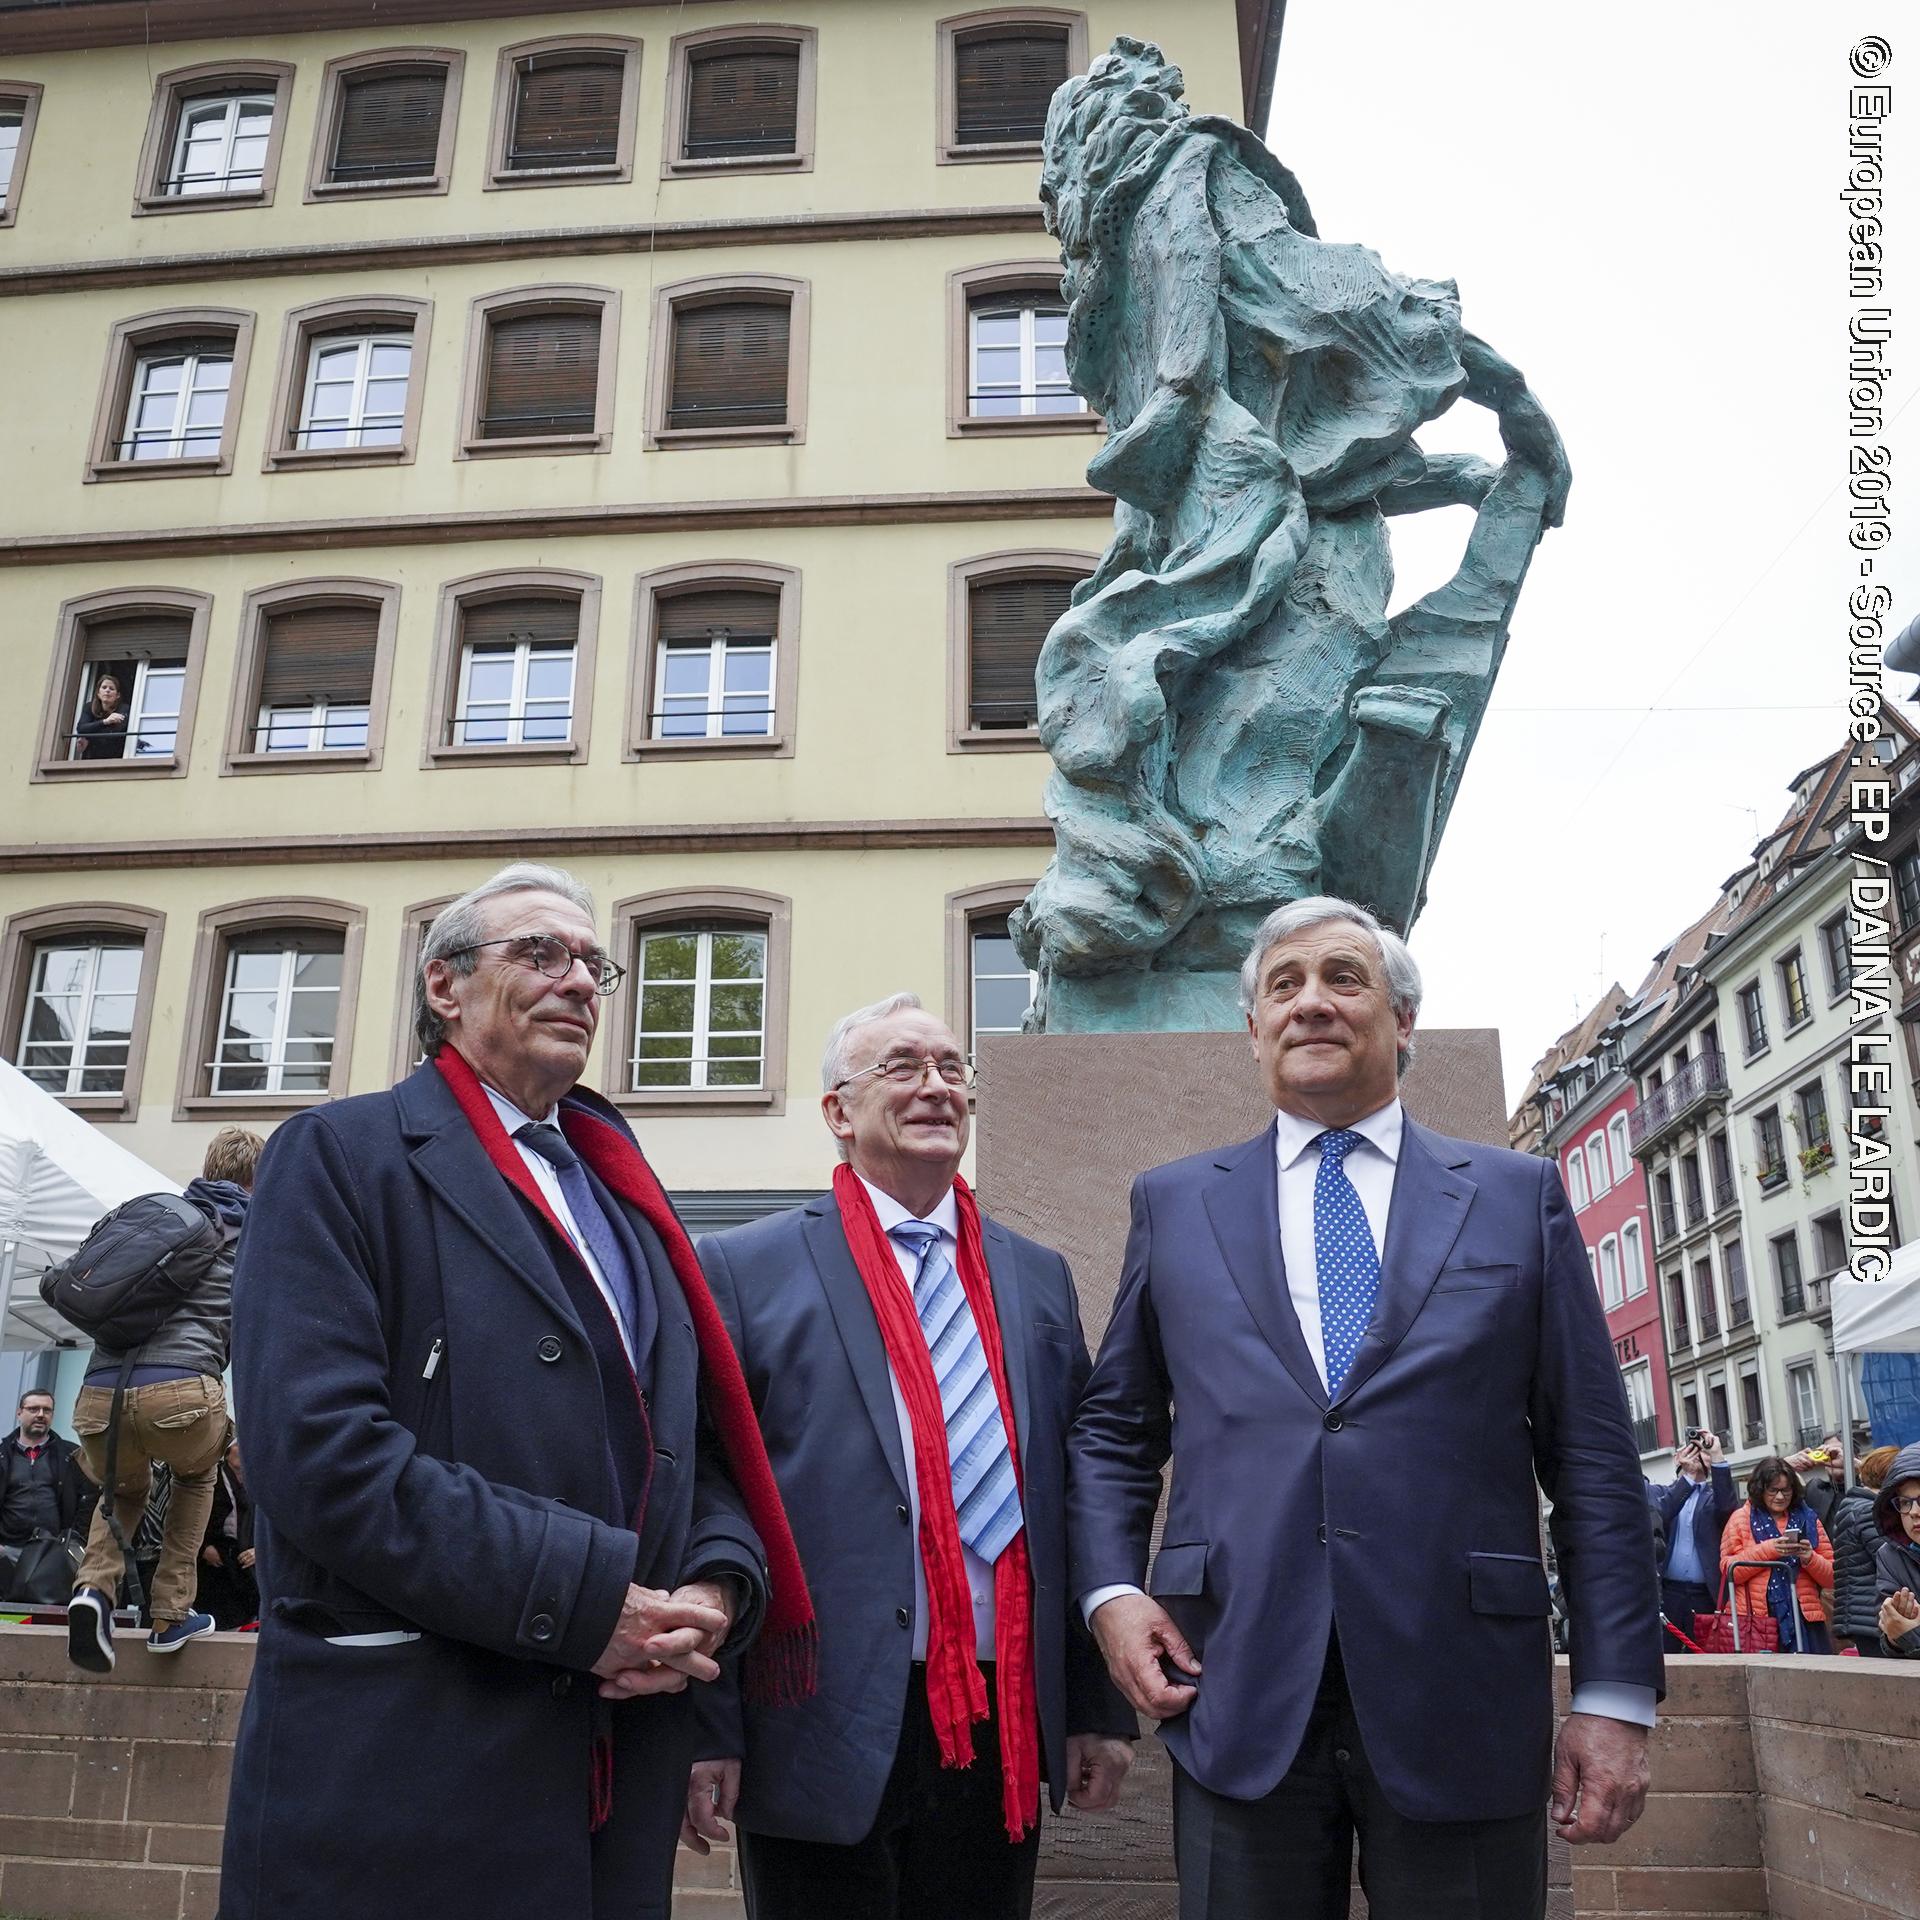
(956, 1689)
(781, 1665)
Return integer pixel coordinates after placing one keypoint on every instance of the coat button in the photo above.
(540, 1627)
(549, 1348)
(905, 1516)
(1333, 1423)
(903, 1616)
(562, 1685)
(1322, 1530)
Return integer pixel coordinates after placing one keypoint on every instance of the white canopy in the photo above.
(1880, 1316)
(58, 1175)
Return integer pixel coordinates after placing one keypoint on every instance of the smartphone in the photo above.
(1791, 1535)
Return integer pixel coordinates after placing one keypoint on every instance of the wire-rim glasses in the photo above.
(909, 1069)
(547, 953)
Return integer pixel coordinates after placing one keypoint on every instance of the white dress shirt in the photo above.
(1371, 1167)
(946, 1216)
(547, 1175)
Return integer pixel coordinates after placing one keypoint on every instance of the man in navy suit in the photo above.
(1376, 1340)
(954, 1674)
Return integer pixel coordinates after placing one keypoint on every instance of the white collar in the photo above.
(510, 1116)
(946, 1216)
(1293, 1133)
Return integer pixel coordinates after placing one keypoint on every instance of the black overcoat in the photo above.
(427, 1447)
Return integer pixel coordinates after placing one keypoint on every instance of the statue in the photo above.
(1233, 720)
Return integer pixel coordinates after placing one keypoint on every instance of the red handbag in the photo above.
(1719, 1632)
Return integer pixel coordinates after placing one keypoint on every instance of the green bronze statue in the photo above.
(1233, 719)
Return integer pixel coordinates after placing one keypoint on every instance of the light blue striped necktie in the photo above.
(985, 1495)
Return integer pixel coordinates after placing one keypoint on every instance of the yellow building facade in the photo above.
(631, 438)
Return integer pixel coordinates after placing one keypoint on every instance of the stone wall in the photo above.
(1783, 1786)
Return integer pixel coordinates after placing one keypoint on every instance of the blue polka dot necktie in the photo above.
(1347, 1261)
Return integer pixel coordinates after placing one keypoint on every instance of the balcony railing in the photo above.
(1646, 1434)
(1807, 1436)
(1701, 1079)
(1724, 1193)
(1667, 1218)
(1709, 1321)
(1696, 1209)
(1751, 1432)
(1739, 1311)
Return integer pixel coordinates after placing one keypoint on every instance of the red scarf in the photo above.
(956, 1691)
(781, 1666)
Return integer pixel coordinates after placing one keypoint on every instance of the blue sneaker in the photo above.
(90, 1630)
(175, 1635)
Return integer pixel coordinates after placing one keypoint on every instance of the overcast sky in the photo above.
(1639, 206)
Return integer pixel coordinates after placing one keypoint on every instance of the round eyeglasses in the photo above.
(909, 1069)
(547, 953)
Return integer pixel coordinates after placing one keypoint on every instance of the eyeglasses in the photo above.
(1906, 1503)
(547, 953)
(909, 1069)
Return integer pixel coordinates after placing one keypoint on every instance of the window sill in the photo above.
(147, 767)
(1020, 426)
(691, 1100)
(1778, 1184)
(679, 167)
(997, 740)
(764, 746)
(146, 203)
(558, 754)
(187, 466)
(597, 175)
(296, 457)
(247, 1106)
(530, 443)
(314, 760)
(1759, 1053)
(663, 439)
(100, 1106)
(984, 151)
(323, 190)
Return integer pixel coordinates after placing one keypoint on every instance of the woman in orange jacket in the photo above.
(1777, 1524)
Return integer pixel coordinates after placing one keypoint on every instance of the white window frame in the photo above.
(209, 185)
(1577, 1178)
(1618, 1150)
(701, 1033)
(974, 976)
(1597, 1180)
(144, 672)
(1633, 1260)
(77, 1067)
(177, 438)
(719, 649)
(1797, 1372)
(356, 422)
(313, 722)
(1610, 1289)
(276, 1061)
(13, 120)
(1640, 1373)
(525, 653)
(1027, 307)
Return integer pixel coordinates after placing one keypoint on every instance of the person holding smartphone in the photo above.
(1695, 1510)
(1777, 1524)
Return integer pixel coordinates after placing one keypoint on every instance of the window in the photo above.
(997, 73)
(270, 1008)
(1577, 1179)
(413, 937)
(1666, 1221)
(1786, 1274)
(76, 992)
(1733, 1263)
(1633, 1258)
(1829, 1246)
(349, 385)
(563, 112)
(1906, 887)
(513, 668)
(1610, 1292)
(715, 661)
(1719, 1410)
(1619, 1151)
(1833, 943)
(1691, 1189)
(1721, 1160)
(386, 123)
(1002, 983)
(1016, 357)
(170, 394)
(740, 102)
(1793, 989)
(1001, 609)
(539, 375)
(1678, 1329)
(1706, 1301)
(1638, 1382)
(1690, 1408)
(1816, 1131)
(126, 670)
(19, 109)
(1753, 1019)
(213, 137)
(1770, 1146)
(1753, 1421)
(310, 688)
(1597, 1181)
(1804, 1388)
(701, 1016)
(729, 363)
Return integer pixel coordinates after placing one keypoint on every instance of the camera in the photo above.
(1693, 1434)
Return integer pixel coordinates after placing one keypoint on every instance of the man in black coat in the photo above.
(42, 1489)
(509, 1497)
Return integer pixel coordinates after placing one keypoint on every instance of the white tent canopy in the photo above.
(1880, 1316)
(58, 1175)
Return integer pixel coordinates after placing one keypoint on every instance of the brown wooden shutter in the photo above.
(543, 374)
(746, 613)
(1004, 82)
(730, 365)
(389, 124)
(319, 653)
(158, 635)
(567, 113)
(546, 619)
(743, 100)
(1007, 620)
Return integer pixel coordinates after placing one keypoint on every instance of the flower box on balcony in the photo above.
(1814, 1159)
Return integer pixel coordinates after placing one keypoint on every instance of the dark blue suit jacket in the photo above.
(427, 1444)
(817, 1369)
(1404, 1513)
(1710, 1519)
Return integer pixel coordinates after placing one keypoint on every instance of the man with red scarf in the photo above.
(510, 1498)
(914, 1367)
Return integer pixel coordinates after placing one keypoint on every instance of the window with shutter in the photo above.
(144, 654)
(316, 678)
(516, 671)
(1004, 80)
(388, 125)
(542, 374)
(1007, 621)
(742, 100)
(713, 675)
(566, 110)
(729, 365)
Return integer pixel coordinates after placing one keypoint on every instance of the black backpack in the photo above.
(132, 1272)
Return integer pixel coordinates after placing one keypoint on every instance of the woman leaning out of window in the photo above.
(1777, 1524)
(101, 730)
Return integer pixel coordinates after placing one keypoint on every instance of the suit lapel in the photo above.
(1431, 1195)
(859, 1331)
(1001, 1270)
(1244, 1207)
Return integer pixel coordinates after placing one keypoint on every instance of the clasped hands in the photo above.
(1899, 1616)
(662, 1640)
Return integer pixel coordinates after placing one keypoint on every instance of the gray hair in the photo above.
(1402, 971)
(837, 1062)
(461, 922)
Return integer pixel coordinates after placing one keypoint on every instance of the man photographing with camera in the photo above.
(1695, 1509)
